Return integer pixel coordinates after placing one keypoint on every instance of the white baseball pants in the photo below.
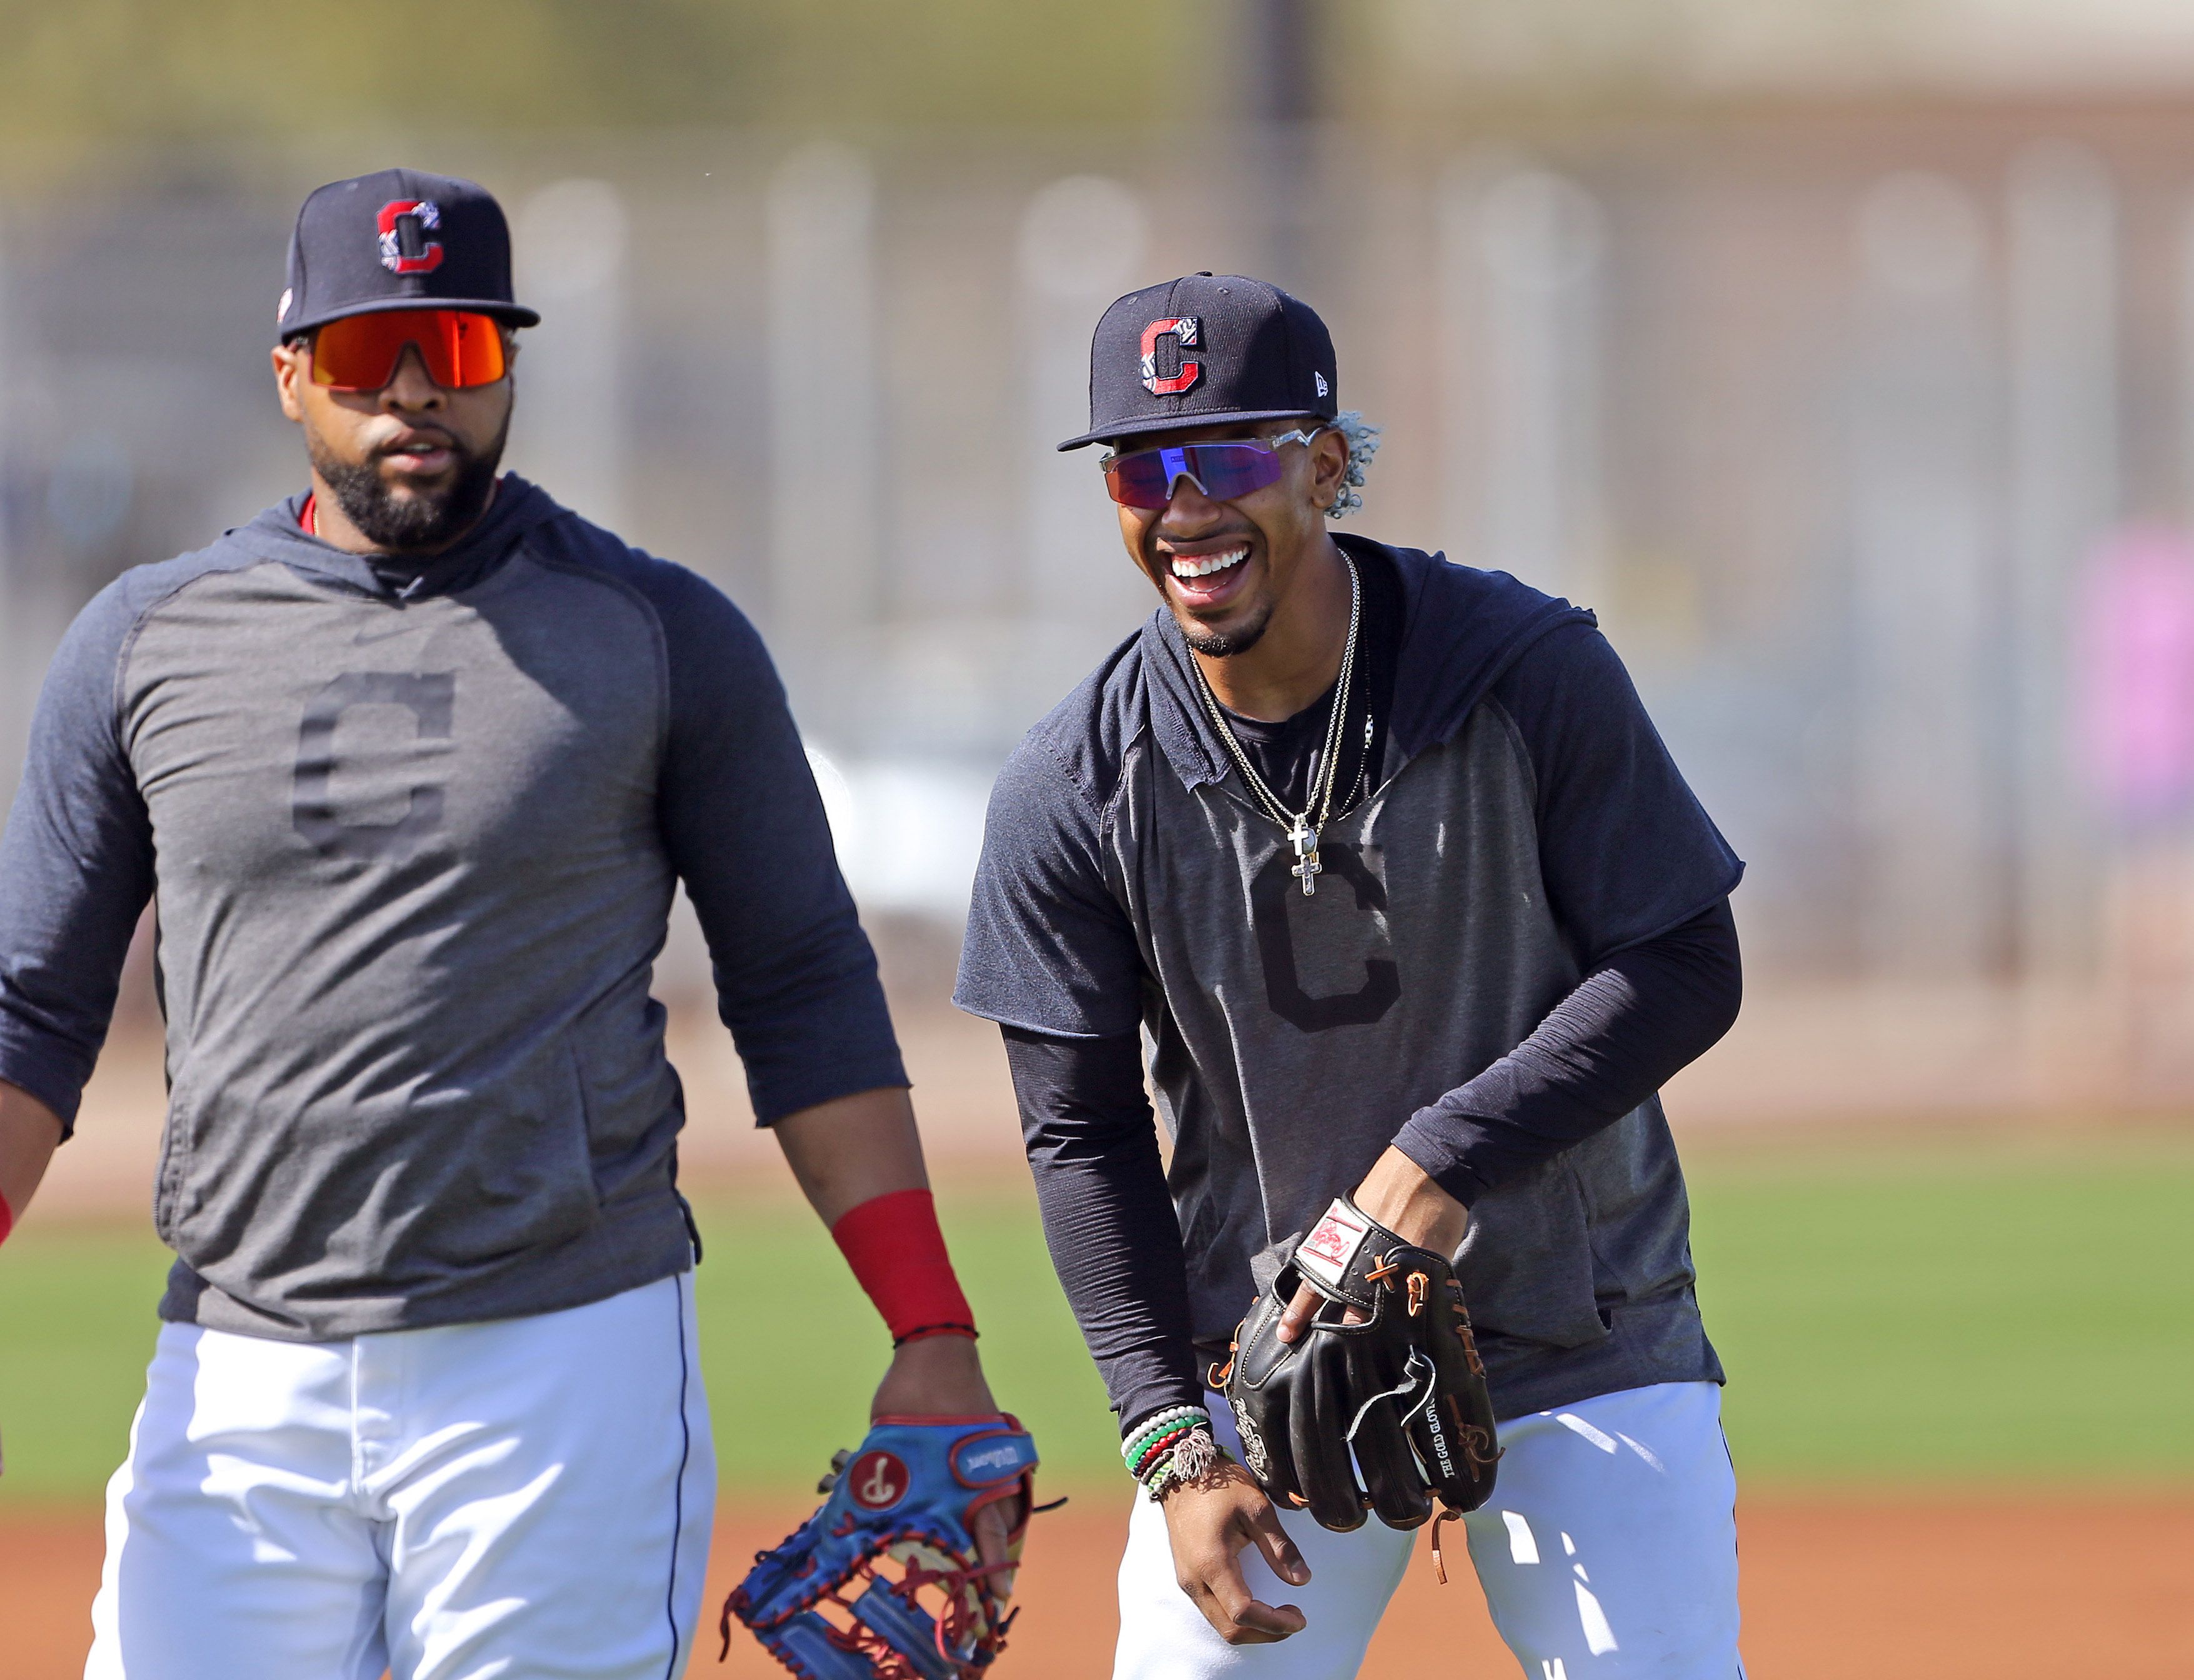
(526, 1496)
(1607, 1552)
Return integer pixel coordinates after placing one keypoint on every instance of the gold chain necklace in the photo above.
(1303, 828)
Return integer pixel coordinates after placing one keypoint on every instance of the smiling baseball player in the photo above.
(1377, 868)
(412, 765)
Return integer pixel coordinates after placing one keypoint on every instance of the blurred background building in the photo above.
(1840, 355)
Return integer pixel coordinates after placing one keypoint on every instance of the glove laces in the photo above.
(1418, 1369)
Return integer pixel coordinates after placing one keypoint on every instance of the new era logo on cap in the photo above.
(1206, 350)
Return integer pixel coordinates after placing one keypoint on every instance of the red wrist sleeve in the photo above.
(7, 1218)
(898, 1253)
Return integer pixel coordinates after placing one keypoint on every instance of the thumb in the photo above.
(1273, 1543)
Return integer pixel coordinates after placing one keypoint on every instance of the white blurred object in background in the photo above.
(825, 417)
(908, 833)
(1081, 244)
(570, 428)
(1926, 574)
(2065, 494)
(1521, 254)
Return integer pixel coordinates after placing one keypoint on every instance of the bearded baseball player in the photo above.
(412, 765)
(1376, 866)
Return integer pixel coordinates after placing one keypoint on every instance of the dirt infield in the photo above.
(1892, 1588)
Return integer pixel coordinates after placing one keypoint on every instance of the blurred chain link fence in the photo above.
(1873, 445)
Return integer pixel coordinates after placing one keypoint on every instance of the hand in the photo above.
(942, 1377)
(1401, 1195)
(1209, 1521)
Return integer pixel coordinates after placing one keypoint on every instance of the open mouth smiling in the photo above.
(1203, 565)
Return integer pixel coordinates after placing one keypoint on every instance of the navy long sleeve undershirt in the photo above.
(1640, 1016)
(1630, 1025)
(1108, 1217)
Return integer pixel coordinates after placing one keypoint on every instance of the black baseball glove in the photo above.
(1403, 1390)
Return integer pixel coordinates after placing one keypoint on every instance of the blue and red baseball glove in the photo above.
(884, 1582)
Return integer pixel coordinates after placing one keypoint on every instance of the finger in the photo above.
(1280, 1551)
(1301, 1310)
(1261, 1624)
(1318, 1429)
(993, 1544)
(1243, 1618)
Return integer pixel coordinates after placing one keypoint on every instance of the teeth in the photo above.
(1210, 564)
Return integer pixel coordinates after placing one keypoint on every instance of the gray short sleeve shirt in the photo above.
(413, 851)
(1129, 880)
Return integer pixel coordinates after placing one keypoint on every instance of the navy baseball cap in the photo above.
(399, 239)
(1206, 350)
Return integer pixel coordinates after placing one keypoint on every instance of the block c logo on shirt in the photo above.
(405, 247)
(1274, 902)
(431, 698)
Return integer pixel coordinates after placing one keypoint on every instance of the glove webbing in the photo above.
(950, 1630)
(1419, 1369)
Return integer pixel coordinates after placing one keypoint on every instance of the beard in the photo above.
(1211, 644)
(1226, 644)
(417, 520)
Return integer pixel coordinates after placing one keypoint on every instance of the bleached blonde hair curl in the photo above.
(1363, 440)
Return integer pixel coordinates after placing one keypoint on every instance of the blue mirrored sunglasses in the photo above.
(1222, 471)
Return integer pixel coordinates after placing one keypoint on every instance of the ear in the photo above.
(290, 371)
(1328, 467)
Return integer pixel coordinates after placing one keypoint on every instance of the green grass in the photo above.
(792, 1349)
(1997, 1316)
(75, 1331)
(2000, 1316)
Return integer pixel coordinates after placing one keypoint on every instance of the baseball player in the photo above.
(412, 765)
(1376, 866)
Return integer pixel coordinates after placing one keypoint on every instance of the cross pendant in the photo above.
(1307, 868)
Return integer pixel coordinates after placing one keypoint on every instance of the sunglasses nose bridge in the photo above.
(449, 350)
(411, 381)
(1174, 481)
(1180, 464)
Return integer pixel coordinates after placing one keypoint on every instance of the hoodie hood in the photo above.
(519, 507)
(1460, 629)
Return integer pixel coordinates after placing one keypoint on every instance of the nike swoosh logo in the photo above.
(364, 636)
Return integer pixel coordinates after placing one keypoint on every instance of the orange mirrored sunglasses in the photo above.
(359, 352)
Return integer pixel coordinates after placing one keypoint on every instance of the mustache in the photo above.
(431, 437)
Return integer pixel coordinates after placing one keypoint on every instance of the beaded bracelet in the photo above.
(1194, 1457)
(1158, 1449)
(1161, 1422)
(1158, 1425)
(1139, 1446)
(1168, 1415)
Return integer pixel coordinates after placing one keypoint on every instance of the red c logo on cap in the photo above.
(424, 255)
(1182, 328)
